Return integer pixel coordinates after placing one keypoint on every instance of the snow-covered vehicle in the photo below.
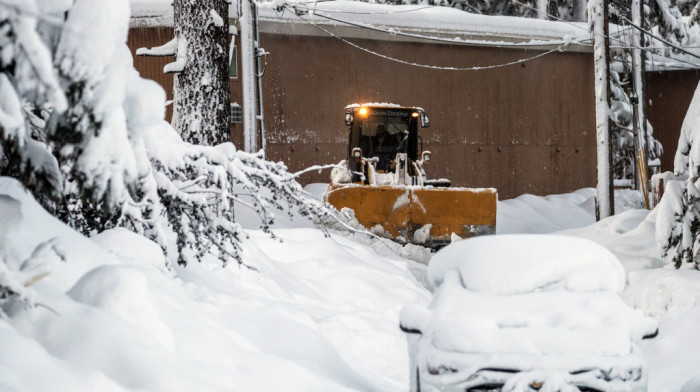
(526, 313)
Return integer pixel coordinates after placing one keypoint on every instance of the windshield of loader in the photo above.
(383, 137)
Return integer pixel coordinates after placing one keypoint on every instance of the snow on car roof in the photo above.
(511, 264)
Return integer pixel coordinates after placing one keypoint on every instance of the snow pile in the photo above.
(321, 314)
(629, 234)
(547, 214)
(657, 289)
(544, 305)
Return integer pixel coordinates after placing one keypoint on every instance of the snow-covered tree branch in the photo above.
(99, 148)
(678, 222)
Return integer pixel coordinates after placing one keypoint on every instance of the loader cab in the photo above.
(381, 132)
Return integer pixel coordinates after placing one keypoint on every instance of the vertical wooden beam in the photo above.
(250, 133)
(605, 203)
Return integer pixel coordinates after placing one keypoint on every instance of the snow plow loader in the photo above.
(384, 182)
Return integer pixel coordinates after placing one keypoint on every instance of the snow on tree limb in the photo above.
(180, 58)
(167, 49)
(11, 118)
(110, 158)
(678, 219)
(214, 19)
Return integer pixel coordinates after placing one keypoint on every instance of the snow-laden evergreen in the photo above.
(678, 224)
(27, 75)
(120, 163)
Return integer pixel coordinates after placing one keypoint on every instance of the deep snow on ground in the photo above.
(321, 315)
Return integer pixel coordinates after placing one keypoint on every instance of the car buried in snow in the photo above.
(526, 313)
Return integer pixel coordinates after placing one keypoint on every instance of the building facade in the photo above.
(527, 127)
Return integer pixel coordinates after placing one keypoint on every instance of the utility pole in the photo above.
(639, 99)
(605, 202)
(259, 72)
(248, 75)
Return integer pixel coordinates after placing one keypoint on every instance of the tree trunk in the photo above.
(202, 92)
(541, 8)
(580, 11)
(552, 10)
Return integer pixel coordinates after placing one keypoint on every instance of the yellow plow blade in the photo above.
(403, 211)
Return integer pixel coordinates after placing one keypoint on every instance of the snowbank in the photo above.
(546, 214)
(657, 289)
(321, 315)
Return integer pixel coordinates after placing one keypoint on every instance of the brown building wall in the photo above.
(669, 94)
(526, 128)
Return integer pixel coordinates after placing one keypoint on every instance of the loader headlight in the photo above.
(362, 111)
(357, 153)
(415, 114)
(426, 156)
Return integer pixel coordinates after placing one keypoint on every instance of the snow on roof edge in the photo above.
(413, 18)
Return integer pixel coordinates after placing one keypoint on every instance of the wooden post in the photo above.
(605, 202)
(638, 67)
(248, 77)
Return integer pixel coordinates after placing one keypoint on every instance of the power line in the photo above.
(625, 45)
(438, 39)
(559, 48)
(373, 12)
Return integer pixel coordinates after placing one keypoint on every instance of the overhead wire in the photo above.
(440, 39)
(625, 44)
(476, 68)
(375, 12)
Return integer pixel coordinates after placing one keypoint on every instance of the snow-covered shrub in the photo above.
(678, 222)
(88, 131)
